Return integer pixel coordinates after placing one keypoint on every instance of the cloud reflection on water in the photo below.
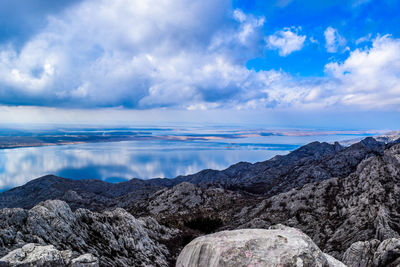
(125, 160)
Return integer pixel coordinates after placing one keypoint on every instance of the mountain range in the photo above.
(338, 195)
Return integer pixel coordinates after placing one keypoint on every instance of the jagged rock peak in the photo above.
(371, 142)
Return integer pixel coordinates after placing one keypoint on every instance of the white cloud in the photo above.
(313, 40)
(286, 41)
(370, 77)
(334, 41)
(363, 39)
(136, 54)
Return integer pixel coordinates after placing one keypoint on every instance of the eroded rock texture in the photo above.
(41, 256)
(278, 246)
(115, 237)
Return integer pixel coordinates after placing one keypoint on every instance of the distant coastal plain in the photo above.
(17, 139)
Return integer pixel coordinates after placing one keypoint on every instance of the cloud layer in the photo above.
(134, 54)
(139, 55)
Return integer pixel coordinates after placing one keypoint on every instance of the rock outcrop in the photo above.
(388, 253)
(115, 237)
(278, 246)
(186, 202)
(361, 253)
(373, 253)
(41, 256)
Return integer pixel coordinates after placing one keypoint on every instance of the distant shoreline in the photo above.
(21, 142)
(27, 139)
(11, 142)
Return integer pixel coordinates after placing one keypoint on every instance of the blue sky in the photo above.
(274, 63)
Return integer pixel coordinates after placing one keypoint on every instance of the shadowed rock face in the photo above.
(115, 237)
(278, 246)
(92, 194)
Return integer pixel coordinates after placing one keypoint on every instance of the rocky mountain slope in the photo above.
(335, 213)
(186, 202)
(115, 237)
(310, 163)
(92, 194)
(340, 211)
(338, 196)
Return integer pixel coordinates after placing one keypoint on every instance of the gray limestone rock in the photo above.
(85, 260)
(361, 253)
(114, 236)
(388, 253)
(36, 255)
(278, 246)
(337, 212)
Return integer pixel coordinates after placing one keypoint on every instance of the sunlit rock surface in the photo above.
(41, 256)
(277, 246)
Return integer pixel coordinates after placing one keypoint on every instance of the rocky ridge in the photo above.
(335, 213)
(340, 211)
(114, 236)
(310, 163)
(91, 194)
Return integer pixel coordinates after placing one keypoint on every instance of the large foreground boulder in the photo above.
(277, 246)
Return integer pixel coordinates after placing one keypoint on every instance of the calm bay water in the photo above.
(118, 161)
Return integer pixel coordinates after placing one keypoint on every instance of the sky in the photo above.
(278, 63)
